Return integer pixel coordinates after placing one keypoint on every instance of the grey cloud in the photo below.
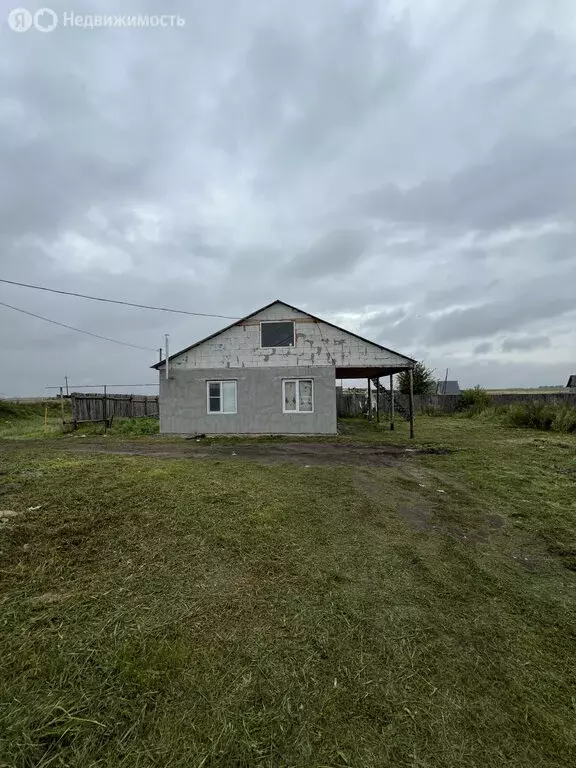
(263, 148)
(483, 349)
(519, 182)
(491, 318)
(332, 254)
(526, 344)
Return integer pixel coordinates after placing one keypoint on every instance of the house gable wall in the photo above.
(316, 344)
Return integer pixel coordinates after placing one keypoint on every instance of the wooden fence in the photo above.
(350, 404)
(451, 403)
(356, 403)
(98, 407)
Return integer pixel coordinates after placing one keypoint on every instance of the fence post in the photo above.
(369, 400)
(392, 426)
(411, 374)
(105, 407)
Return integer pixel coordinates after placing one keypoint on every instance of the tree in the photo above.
(424, 380)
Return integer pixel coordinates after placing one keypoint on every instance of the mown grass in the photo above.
(222, 613)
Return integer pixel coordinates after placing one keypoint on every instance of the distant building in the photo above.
(572, 381)
(447, 388)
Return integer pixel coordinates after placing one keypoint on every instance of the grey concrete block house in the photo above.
(272, 372)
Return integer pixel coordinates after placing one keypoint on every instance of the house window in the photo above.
(277, 334)
(297, 396)
(221, 396)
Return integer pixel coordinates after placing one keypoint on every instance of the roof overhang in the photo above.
(369, 372)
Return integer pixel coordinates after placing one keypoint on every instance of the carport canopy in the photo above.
(376, 372)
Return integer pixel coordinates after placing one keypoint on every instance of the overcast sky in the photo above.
(406, 169)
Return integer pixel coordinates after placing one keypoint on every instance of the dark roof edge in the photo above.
(290, 306)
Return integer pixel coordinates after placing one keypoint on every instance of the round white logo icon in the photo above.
(20, 20)
(45, 20)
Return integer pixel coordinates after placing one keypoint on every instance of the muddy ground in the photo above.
(303, 453)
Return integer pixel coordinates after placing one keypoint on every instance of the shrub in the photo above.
(474, 400)
(544, 416)
(142, 426)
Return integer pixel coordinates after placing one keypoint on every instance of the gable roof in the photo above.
(257, 311)
(572, 381)
(447, 388)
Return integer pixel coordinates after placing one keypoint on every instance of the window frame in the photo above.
(220, 382)
(297, 382)
(281, 346)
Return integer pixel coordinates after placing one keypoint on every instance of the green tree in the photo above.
(424, 381)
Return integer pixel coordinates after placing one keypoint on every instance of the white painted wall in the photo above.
(316, 344)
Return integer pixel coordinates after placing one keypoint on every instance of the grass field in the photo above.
(198, 612)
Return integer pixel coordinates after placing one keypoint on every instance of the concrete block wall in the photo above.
(316, 344)
(183, 404)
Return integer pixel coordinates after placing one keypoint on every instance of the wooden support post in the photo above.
(62, 404)
(369, 400)
(105, 407)
(392, 425)
(378, 400)
(411, 374)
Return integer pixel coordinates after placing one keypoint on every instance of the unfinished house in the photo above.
(272, 372)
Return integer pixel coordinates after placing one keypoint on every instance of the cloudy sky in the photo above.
(406, 168)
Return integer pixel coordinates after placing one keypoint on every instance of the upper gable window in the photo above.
(277, 334)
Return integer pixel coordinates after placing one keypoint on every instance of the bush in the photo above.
(544, 416)
(474, 400)
(142, 426)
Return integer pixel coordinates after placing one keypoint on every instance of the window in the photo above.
(221, 396)
(297, 396)
(277, 334)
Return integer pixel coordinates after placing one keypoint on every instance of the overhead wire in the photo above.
(116, 301)
(78, 330)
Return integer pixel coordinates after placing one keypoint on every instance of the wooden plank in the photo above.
(411, 374)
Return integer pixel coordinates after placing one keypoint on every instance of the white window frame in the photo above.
(220, 382)
(284, 346)
(297, 382)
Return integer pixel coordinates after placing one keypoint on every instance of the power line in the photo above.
(95, 386)
(116, 301)
(78, 330)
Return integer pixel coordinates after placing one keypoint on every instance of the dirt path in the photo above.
(303, 453)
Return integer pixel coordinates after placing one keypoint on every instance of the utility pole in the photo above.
(167, 356)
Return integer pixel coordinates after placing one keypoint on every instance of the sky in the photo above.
(404, 168)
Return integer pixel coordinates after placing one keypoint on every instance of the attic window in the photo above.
(277, 334)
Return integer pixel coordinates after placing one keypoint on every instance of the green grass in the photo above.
(222, 613)
(31, 420)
